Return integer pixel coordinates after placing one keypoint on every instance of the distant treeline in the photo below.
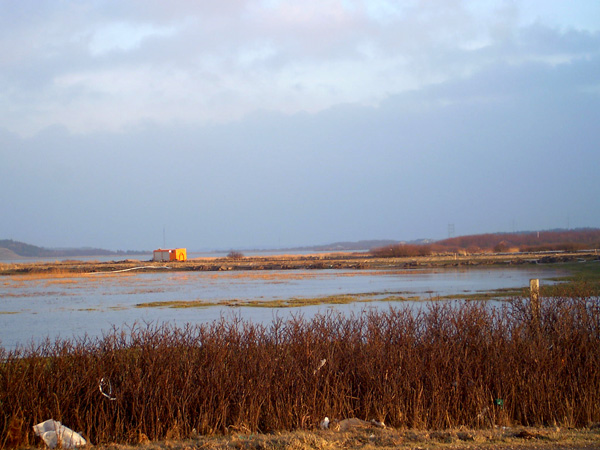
(28, 250)
(530, 241)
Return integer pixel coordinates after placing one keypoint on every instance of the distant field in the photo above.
(315, 261)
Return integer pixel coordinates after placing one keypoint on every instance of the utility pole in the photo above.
(450, 230)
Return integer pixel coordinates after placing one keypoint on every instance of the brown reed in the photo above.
(445, 365)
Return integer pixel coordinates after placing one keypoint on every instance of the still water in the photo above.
(33, 308)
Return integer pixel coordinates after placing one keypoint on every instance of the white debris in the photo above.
(53, 433)
(349, 424)
(377, 423)
(106, 384)
(321, 364)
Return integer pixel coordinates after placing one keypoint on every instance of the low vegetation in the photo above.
(235, 255)
(444, 366)
(293, 302)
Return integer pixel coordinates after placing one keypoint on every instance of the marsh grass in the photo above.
(447, 365)
(582, 275)
(63, 281)
(494, 294)
(55, 275)
(293, 302)
(58, 280)
(177, 304)
(382, 297)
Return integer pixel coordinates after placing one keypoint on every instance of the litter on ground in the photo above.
(54, 433)
(348, 424)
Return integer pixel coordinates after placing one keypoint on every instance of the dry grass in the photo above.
(60, 284)
(51, 273)
(57, 276)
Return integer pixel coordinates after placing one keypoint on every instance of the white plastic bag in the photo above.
(54, 433)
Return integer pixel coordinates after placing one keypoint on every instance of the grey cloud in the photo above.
(481, 134)
(400, 170)
(53, 76)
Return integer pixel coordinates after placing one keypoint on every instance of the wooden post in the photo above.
(534, 300)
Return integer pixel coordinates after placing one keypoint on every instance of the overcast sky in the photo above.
(241, 124)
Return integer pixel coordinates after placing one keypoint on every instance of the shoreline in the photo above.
(321, 261)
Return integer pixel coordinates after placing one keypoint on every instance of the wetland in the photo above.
(72, 299)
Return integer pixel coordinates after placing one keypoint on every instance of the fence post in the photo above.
(534, 301)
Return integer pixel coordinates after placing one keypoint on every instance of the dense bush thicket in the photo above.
(443, 365)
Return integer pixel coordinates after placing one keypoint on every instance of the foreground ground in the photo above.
(500, 438)
(579, 369)
(316, 261)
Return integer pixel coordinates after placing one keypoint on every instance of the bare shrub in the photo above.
(235, 255)
(402, 250)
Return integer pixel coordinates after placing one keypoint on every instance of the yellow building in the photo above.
(171, 254)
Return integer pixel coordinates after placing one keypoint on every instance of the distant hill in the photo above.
(352, 246)
(10, 249)
(7, 254)
(22, 249)
(526, 241)
(346, 246)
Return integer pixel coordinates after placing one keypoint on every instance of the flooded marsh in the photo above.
(36, 306)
